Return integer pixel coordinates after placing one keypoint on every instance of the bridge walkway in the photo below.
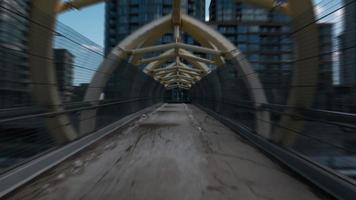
(176, 152)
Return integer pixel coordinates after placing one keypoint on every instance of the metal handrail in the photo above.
(53, 114)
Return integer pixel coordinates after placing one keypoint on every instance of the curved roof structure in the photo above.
(180, 65)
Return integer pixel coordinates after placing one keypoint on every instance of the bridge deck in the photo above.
(176, 152)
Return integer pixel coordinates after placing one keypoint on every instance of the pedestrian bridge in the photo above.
(224, 137)
(177, 151)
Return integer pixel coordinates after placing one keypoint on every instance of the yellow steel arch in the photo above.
(78, 4)
(305, 72)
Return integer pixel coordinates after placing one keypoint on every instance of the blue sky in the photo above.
(89, 22)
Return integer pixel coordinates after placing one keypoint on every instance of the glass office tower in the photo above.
(346, 92)
(348, 41)
(63, 62)
(14, 79)
(263, 36)
(125, 16)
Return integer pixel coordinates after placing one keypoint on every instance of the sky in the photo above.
(90, 21)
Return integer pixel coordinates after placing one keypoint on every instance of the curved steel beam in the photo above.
(305, 71)
(151, 69)
(197, 62)
(178, 45)
(75, 4)
(118, 54)
(190, 56)
(198, 31)
(202, 31)
(164, 57)
(294, 8)
(43, 71)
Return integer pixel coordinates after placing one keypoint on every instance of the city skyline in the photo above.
(94, 28)
(78, 21)
(150, 100)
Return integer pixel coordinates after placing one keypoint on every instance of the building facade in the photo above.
(347, 43)
(63, 61)
(326, 64)
(263, 36)
(14, 68)
(125, 16)
(345, 93)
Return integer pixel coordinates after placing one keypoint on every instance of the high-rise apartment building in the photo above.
(345, 93)
(326, 64)
(63, 61)
(347, 43)
(14, 69)
(263, 36)
(125, 16)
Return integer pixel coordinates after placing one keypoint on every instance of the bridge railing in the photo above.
(26, 130)
(25, 135)
(323, 131)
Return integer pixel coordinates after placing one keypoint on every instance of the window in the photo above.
(242, 38)
(253, 47)
(254, 29)
(254, 58)
(242, 47)
(254, 38)
(242, 29)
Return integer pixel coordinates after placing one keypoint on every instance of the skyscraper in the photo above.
(326, 83)
(348, 41)
(263, 36)
(14, 69)
(125, 16)
(64, 61)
